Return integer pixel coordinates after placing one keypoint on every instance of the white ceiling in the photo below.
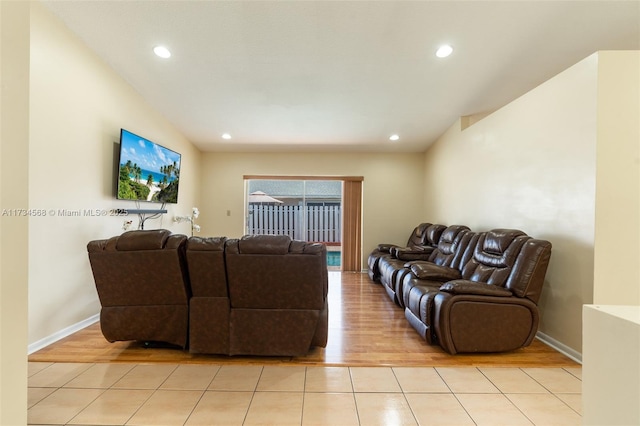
(340, 75)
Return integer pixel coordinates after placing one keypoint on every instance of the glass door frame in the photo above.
(351, 218)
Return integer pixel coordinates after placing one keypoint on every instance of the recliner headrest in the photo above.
(142, 240)
(206, 244)
(497, 240)
(449, 236)
(304, 247)
(420, 229)
(432, 234)
(418, 235)
(498, 248)
(264, 244)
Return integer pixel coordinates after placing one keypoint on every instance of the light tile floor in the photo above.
(198, 394)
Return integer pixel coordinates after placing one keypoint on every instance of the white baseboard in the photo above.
(560, 347)
(36, 346)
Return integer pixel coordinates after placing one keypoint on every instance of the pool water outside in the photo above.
(333, 258)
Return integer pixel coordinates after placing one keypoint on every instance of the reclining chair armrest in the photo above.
(476, 288)
(386, 248)
(472, 323)
(432, 272)
(408, 254)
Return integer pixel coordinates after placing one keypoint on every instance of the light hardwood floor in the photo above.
(365, 329)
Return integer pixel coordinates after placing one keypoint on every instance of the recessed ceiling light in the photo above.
(162, 52)
(394, 137)
(444, 51)
(226, 136)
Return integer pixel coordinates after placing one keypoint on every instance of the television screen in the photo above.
(147, 171)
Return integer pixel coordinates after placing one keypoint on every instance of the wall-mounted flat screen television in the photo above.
(147, 171)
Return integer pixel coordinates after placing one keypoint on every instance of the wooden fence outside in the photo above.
(322, 223)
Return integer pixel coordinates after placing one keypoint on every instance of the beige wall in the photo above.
(14, 186)
(530, 166)
(617, 249)
(392, 189)
(78, 105)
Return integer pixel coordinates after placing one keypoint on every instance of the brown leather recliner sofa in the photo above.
(258, 295)
(478, 292)
(274, 301)
(142, 284)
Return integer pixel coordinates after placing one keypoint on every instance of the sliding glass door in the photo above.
(309, 208)
(305, 210)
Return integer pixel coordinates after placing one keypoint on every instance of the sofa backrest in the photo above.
(207, 271)
(527, 277)
(140, 268)
(432, 235)
(451, 246)
(418, 235)
(274, 272)
(494, 256)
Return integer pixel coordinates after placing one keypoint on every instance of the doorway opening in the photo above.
(333, 220)
(305, 210)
